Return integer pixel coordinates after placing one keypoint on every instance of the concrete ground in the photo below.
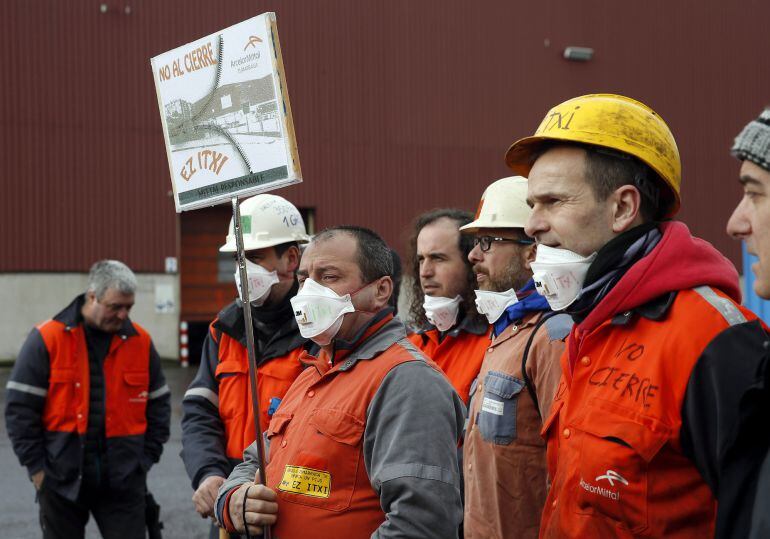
(167, 480)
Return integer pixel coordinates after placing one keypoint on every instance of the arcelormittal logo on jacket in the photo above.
(611, 477)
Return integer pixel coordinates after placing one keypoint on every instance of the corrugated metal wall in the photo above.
(400, 106)
(84, 173)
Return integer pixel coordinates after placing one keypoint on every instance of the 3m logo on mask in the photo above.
(611, 477)
(541, 283)
(319, 311)
(310, 313)
(549, 285)
(559, 275)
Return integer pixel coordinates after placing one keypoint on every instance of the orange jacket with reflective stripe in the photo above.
(217, 411)
(459, 354)
(613, 434)
(126, 380)
(274, 378)
(48, 401)
(319, 431)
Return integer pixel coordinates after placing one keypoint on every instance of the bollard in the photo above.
(184, 352)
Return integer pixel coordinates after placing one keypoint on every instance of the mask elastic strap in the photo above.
(356, 292)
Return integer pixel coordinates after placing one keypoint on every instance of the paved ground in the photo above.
(167, 481)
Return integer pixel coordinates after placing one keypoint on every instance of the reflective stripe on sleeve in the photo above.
(26, 388)
(726, 308)
(163, 390)
(207, 394)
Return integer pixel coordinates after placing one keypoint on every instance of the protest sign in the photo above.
(226, 115)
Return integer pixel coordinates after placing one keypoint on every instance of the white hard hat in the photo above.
(267, 220)
(503, 205)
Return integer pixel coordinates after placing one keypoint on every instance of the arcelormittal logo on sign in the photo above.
(252, 42)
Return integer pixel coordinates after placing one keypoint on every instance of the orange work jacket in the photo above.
(459, 354)
(614, 453)
(274, 377)
(316, 442)
(126, 381)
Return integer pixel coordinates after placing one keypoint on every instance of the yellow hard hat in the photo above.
(610, 121)
(503, 205)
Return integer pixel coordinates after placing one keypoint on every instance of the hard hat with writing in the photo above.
(503, 205)
(267, 220)
(609, 121)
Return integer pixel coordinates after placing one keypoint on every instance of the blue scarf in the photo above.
(529, 301)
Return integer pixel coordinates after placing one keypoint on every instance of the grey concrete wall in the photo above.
(29, 298)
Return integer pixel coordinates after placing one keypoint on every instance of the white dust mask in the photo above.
(559, 275)
(493, 304)
(260, 282)
(442, 312)
(319, 311)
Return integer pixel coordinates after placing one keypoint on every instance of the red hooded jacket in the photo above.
(614, 453)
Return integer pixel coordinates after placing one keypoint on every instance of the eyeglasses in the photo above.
(485, 242)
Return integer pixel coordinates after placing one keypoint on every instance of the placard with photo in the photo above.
(226, 115)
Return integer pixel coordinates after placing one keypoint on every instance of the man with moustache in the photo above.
(365, 441)
(449, 329)
(627, 452)
(218, 418)
(504, 454)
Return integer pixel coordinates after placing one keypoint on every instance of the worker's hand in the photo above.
(37, 479)
(261, 508)
(206, 496)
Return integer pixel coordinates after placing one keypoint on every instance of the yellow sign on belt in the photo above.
(306, 481)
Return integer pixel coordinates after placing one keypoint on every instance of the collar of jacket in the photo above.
(230, 321)
(475, 325)
(529, 301)
(71, 317)
(655, 309)
(612, 262)
(530, 319)
(667, 268)
(382, 332)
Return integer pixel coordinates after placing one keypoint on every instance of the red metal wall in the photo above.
(399, 106)
(84, 175)
(203, 232)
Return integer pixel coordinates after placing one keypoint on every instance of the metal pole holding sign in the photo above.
(267, 534)
(202, 88)
(210, 158)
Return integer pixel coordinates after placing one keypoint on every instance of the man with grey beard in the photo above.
(504, 454)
